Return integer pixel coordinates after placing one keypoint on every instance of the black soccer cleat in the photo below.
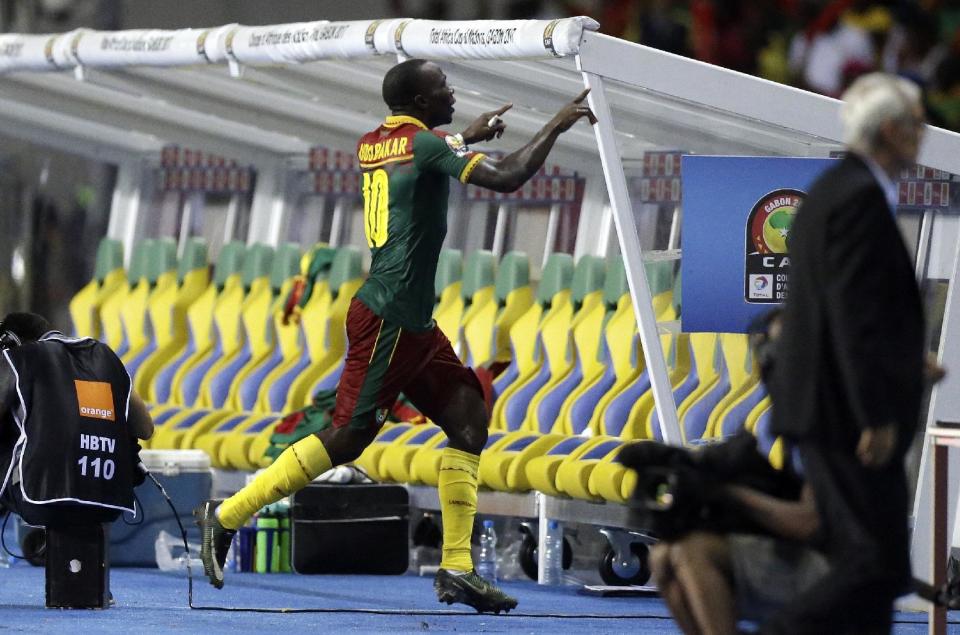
(215, 541)
(472, 590)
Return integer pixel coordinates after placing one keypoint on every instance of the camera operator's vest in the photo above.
(75, 448)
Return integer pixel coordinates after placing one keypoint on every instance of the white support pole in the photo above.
(633, 260)
(336, 224)
(944, 406)
(607, 231)
(269, 204)
(674, 241)
(593, 237)
(500, 232)
(134, 183)
(233, 211)
(553, 223)
(192, 206)
(923, 243)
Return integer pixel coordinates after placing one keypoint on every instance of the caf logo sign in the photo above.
(767, 266)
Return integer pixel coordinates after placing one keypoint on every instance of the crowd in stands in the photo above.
(819, 45)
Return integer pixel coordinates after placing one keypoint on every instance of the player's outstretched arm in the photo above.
(512, 171)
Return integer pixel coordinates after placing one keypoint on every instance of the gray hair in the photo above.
(871, 101)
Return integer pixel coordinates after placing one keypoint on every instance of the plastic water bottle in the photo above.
(171, 556)
(487, 561)
(552, 554)
(233, 560)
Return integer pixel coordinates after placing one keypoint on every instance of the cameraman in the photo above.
(69, 424)
(710, 580)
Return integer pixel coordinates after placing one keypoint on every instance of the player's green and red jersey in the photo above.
(406, 170)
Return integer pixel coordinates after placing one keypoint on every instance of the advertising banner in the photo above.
(737, 215)
(301, 42)
(490, 39)
(148, 47)
(28, 52)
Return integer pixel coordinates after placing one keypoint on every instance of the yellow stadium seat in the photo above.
(570, 338)
(110, 311)
(180, 380)
(598, 371)
(245, 451)
(478, 295)
(259, 322)
(217, 309)
(108, 277)
(199, 316)
(448, 309)
(168, 312)
(527, 366)
(253, 296)
(272, 393)
(160, 279)
(323, 326)
(397, 458)
(742, 378)
(502, 466)
(370, 459)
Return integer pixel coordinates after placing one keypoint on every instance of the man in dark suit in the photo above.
(848, 381)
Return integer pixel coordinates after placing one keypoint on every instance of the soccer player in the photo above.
(393, 343)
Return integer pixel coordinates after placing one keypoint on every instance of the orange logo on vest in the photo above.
(95, 399)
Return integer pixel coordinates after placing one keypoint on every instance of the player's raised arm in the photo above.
(512, 171)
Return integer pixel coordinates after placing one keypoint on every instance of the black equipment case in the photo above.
(357, 528)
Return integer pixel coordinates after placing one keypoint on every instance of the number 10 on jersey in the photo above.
(376, 206)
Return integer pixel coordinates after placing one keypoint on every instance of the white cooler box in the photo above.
(187, 477)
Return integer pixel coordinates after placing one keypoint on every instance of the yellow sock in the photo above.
(458, 505)
(294, 468)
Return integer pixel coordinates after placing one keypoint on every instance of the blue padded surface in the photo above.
(163, 417)
(423, 436)
(765, 438)
(332, 378)
(277, 393)
(516, 410)
(221, 382)
(507, 377)
(601, 450)
(583, 408)
(194, 377)
(618, 412)
(736, 417)
(163, 383)
(134, 364)
(520, 444)
(695, 421)
(231, 423)
(394, 432)
(187, 422)
(567, 446)
(261, 425)
(124, 341)
(550, 405)
(250, 386)
(153, 600)
(689, 384)
(493, 437)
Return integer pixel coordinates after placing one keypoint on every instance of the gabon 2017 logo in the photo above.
(767, 267)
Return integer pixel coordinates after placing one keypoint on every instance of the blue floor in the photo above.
(151, 601)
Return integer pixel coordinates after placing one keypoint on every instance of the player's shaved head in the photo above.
(403, 82)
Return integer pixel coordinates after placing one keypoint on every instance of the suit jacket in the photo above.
(852, 348)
